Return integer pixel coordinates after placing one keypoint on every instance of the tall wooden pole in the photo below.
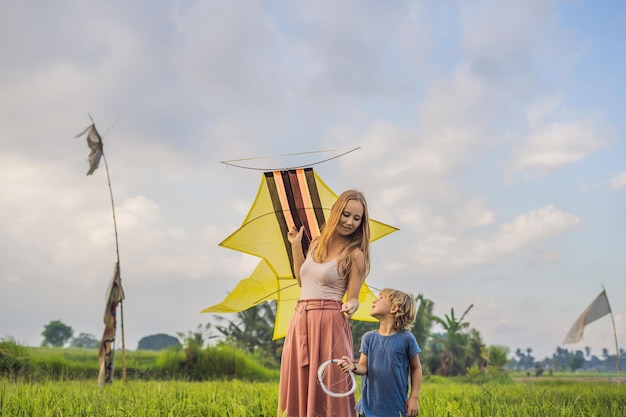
(117, 252)
(615, 335)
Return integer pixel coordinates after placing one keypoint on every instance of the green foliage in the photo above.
(423, 320)
(56, 334)
(168, 361)
(253, 331)
(359, 328)
(577, 361)
(228, 362)
(497, 356)
(15, 360)
(198, 337)
(192, 363)
(158, 342)
(85, 340)
(457, 350)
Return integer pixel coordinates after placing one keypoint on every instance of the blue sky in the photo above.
(491, 134)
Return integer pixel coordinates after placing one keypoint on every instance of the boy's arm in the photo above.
(412, 404)
(359, 368)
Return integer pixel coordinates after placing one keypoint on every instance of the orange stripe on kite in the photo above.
(280, 186)
(307, 203)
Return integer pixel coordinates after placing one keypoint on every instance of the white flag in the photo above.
(598, 308)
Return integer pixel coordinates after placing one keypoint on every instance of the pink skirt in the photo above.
(318, 331)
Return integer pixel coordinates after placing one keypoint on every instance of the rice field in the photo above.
(239, 398)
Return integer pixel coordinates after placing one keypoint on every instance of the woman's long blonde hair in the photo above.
(359, 239)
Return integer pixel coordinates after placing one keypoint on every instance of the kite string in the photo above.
(230, 162)
(345, 379)
(287, 154)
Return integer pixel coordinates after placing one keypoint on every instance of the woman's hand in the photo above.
(295, 235)
(350, 307)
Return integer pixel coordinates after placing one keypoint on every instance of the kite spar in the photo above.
(115, 292)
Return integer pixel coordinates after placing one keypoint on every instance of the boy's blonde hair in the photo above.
(407, 308)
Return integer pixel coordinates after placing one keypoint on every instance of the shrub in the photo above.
(15, 362)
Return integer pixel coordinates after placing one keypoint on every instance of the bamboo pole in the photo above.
(117, 252)
(615, 335)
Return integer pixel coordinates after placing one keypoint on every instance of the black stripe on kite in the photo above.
(278, 211)
(315, 197)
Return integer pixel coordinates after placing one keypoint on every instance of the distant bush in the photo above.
(159, 341)
(15, 361)
(191, 363)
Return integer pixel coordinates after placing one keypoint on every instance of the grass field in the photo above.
(56, 382)
(440, 398)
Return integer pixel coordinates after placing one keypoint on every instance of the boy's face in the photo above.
(381, 306)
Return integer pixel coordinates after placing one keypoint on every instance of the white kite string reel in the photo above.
(346, 381)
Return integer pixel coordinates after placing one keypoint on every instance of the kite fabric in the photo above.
(285, 199)
(106, 352)
(94, 141)
(598, 308)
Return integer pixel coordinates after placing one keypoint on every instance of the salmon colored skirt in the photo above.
(318, 331)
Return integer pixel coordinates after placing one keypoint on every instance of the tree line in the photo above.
(456, 350)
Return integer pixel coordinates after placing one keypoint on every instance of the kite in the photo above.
(285, 199)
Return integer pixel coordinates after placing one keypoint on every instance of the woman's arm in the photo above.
(295, 238)
(355, 281)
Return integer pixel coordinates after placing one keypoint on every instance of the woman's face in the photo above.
(350, 218)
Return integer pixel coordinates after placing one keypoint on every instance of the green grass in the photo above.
(440, 398)
(215, 362)
(221, 381)
(141, 398)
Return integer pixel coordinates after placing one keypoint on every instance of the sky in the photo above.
(492, 134)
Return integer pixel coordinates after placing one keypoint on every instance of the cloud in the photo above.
(453, 252)
(557, 144)
(618, 181)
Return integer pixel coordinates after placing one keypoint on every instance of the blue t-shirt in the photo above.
(385, 387)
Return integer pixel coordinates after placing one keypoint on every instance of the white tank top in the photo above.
(321, 280)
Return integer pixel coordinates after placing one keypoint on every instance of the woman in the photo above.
(336, 265)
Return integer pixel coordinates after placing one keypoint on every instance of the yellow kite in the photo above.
(296, 197)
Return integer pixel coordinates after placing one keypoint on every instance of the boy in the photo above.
(389, 356)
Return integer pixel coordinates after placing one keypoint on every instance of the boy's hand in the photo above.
(346, 364)
(412, 407)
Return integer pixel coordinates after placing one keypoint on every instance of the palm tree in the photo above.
(476, 351)
(423, 319)
(497, 356)
(453, 358)
(451, 324)
(253, 331)
(198, 337)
